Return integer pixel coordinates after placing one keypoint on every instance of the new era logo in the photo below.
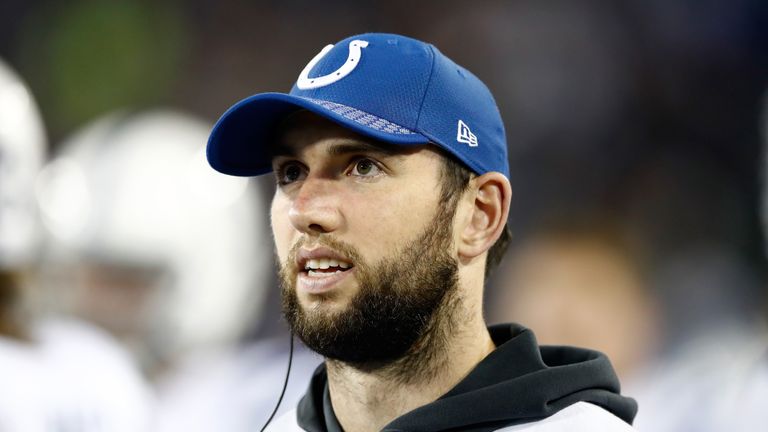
(464, 135)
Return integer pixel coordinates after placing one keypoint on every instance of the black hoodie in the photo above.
(519, 382)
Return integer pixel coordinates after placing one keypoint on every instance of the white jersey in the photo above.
(716, 382)
(579, 417)
(70, 378)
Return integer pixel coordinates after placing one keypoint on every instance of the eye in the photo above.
(290, 172)
(365, 168)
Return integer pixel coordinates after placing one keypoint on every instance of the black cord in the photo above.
(285, 385)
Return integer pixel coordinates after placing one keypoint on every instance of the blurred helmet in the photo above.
(135, 190)
(22, 148)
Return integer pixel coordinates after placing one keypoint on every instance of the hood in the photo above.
(519, 382)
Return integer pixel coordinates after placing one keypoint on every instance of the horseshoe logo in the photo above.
(355, 52)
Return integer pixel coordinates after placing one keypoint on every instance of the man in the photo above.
(392, 198)
(570, 275)
(56, 373)
(730, 356)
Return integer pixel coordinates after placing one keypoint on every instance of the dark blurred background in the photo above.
(636, 131)
(643, 113)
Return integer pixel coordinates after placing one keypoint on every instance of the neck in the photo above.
(366, 398)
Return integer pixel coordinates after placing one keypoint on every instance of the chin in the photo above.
(313, 304)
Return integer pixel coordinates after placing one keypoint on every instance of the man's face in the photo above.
(364, 245)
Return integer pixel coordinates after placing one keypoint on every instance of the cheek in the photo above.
(383, 222)
(281, 227)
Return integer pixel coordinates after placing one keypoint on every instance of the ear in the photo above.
(490, 196)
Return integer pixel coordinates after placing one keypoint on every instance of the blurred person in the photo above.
(168, 256)
(391, 206)
(716, 380)
(57, 374)
(234, 389)
(144, 233)
(580, 281)
(570, 277)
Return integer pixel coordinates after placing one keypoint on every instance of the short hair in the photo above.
(456, 177)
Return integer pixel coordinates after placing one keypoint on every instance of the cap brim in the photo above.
(239, 142)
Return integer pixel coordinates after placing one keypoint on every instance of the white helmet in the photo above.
(136, 189)
(22, 148)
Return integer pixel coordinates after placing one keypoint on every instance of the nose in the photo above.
(315, 209)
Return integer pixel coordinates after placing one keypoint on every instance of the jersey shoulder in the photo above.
(579, 417)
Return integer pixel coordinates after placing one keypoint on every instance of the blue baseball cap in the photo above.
(384, 86)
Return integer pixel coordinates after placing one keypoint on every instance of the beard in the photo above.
(403, 309)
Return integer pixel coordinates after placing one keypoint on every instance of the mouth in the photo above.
(321, 269)
(325, 267)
